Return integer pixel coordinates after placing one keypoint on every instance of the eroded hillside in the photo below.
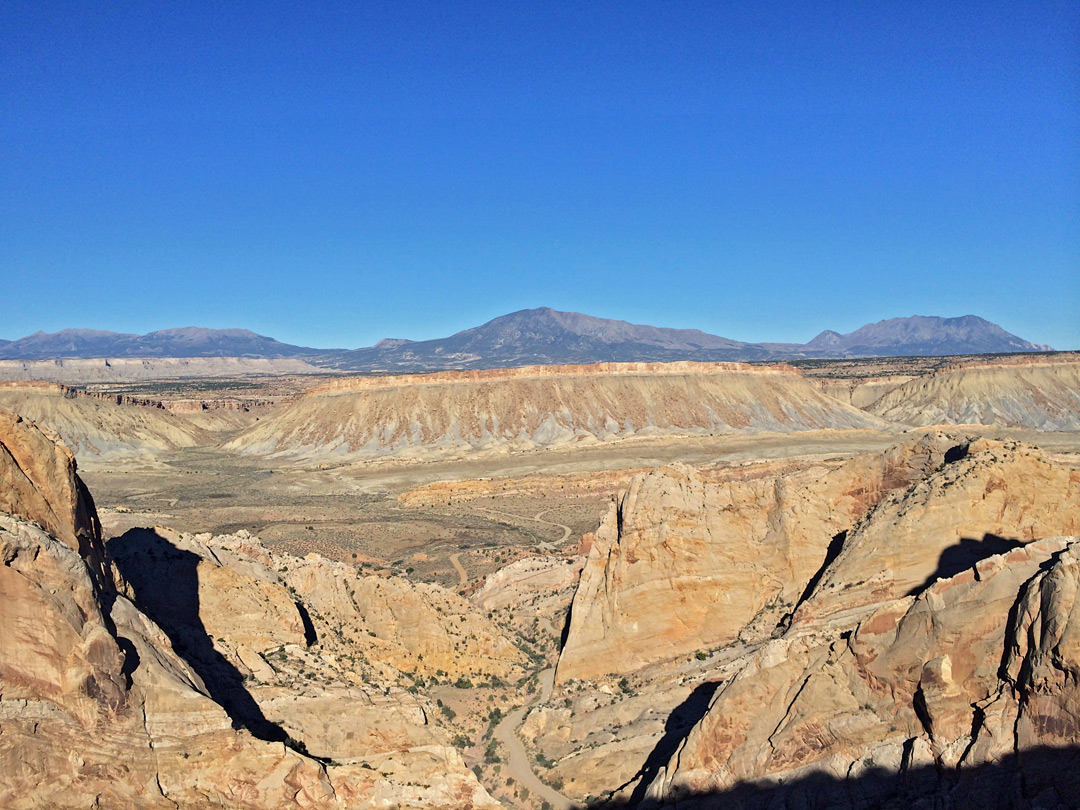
(1040, 393)
(101, 428)
(146, 696)
(456, 413)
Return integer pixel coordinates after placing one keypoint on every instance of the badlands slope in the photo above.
(1042, 393)
(452, 413)
(100, 428)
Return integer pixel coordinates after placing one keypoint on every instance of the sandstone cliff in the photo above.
(934, 698)
(102, 706)
(989, 497)
(38, 482)
(863, 632)
(681, 564)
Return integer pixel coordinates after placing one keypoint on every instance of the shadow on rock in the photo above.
(1036, 778)
(165, 584)
(964, 555)
(683, 718)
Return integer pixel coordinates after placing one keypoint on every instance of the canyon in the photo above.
(844, 584)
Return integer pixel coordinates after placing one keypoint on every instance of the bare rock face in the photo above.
(97, 709)
(991, 496)
(963, 694)
(102, 706)
(1042, 657)
(682, 564)
(38, 482)
(406, 625)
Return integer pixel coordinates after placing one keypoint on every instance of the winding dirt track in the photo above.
(519, 766)
(537, 519)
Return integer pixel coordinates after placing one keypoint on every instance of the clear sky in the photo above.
(333, 173)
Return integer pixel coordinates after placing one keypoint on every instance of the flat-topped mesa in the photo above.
(101, 426)
(997, 361)
(101, 369)
(512, 410)
(372, 383)
(38, 482)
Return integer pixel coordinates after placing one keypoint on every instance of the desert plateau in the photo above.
(823, 583)
(539, 406)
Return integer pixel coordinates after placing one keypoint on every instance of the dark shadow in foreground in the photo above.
(166, 588)
(1036, 778)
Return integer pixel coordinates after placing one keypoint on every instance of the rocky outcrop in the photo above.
(991, 496)
(682, 564)
(931, 696)
(102, 706)
(454, 413)
(38, 482)
(882, 630)
(258, 601)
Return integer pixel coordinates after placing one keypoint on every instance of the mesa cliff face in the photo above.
(451, 413)
(101, 428)
(102, 705)
(1042, 393)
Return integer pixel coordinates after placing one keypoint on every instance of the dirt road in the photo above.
(463, 575)
(538, 518)
(519, 765)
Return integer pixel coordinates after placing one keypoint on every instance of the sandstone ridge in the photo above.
(681, 564)
(102, 705)
(960, 696)
(874, 632)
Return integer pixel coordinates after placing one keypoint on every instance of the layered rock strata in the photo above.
(101, 429)
(101, 706)
(1041, 393)
(451, 413)
(682, 564)
(963, 696)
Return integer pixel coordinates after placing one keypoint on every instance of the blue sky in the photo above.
(333, 173)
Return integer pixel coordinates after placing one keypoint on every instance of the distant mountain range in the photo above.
(190, 341)
(540, 336)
